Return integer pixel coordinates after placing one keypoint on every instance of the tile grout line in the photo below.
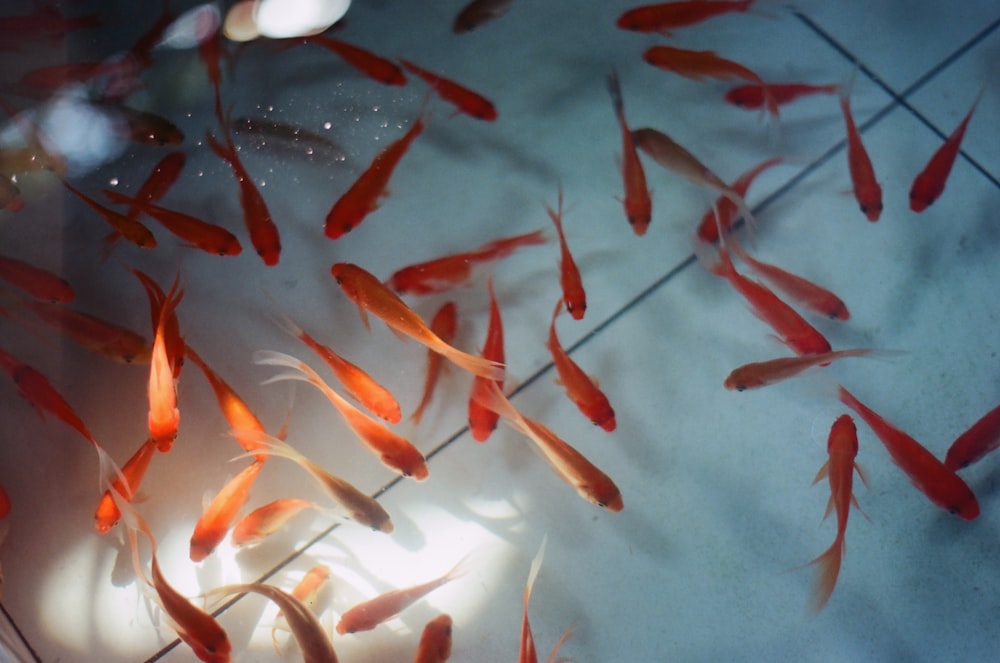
(20, 635)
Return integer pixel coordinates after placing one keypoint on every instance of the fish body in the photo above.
(574, 296)
(867, 191)
(580, 387)
(157, 184)
(637, 202)
(130, 229)
(108, 514)
(479, 12)
(465, 100)
(164, 415)
(444, 324)
(435, 641)
(763, 373)
(980, 439)
(929, 183)
(482, 420)
(35, 281)
(667, 16)
(726, 209)
(196, 233)
(752, 97)
(374, 66)
(221, 512)
(93, 333)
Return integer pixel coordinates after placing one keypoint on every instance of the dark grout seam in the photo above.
(20, 635)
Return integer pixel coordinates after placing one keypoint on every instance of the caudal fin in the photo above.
(827, 570)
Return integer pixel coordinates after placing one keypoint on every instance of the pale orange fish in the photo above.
(93, 333)
(107, 514)
(569, 274)
(221, 512)
(173, 340)
(264, 521)
(443, 324)
(360, 385)
(37, 282)
(305, 592)
(638, 203)
(482, 420)
(763, 373)
(395, 451)
(369, 614)
(527, 653)
(370, 296)
(435, 641)
(580, 387)
(164, 416)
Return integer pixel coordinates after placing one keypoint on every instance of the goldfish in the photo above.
(375, 67)
(370, 296)
(149, 128)
(305, 626)
(753, 97)
(210, 52)
(793, 329)
(724, 212)
(395, 451)
(482, 420)
(980, 439)
(763, 373)
(442, 274)
(842, 447)
(157, 184)
(569, 464)
(637, 202)
(698, 65)
(479, 12)
(263, 232)
(867, 191)
(364, 196)
(172, 339)
(305, 592)
(164, 416)
(435, 641)
(580, 387)
(369, 614)
(667, 16)
(35, 281)
(939, 484)
(527, 653)
(93, 333)
(574, 295)
(288, 139)
(245, 425)
(929, 183)
(221, 512)
(362, 387)
(359, 507)
(130, 229)
(465, 100)
(46, 22)
(107, 514)
(264, 521)
(35, 388)
(4, 503)
(443, 324)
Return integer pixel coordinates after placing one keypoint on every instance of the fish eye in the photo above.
(602, 505)
(741, 387)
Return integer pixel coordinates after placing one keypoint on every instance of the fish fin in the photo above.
(854, 502)
(559, 643)
(823, 472)
(863, 474)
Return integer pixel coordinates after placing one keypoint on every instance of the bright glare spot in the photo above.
(327, 125)
(83, 134)
(192, 27)
(113, 182)
(296, 18)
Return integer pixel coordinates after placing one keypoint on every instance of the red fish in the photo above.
(4, 506)
(37, 282)
(164, 416)
(435, 641)
(210, 51)
(442, 274)
(163, 176)
(264, 521)
(221, 512)
(763, 373)
(467, 101)
(479, 12)
(47, 22)
(107, 514)
(842, 447)
(375, 67)
(698, 65)
(981, 438)
(793, 329)
(930, 476)
(482, 420)
(637, 202)
(130, 229)
(667, 16)
(580, 387)
(196, 233)
(149, 128)
(444, 324)
(867, 191)
(368, 190)
(753, 97)
(93, 333)
(370, 296)
(929, 184)
(574, 295)
(708, 228)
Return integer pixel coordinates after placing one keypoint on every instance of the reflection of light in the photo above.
(83, 134)
(191, 28)
(280, 19)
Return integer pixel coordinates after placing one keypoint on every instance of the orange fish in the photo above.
(257, 217)
(929, 184)
(763, 373)
(395, 451)
(667, 16)
(527, 653)
(941, 485)
(638, 204)
(442, 274)
(369, 614)
(37, 282)
(163, 176)
(107, 514)
(444, 324)
(752, 97)
(359, 507)
(981, 438)
(725, 209)
(172, 339)
(305, 592)
(867, 191)
(793, 329)
(435, 641)
(375, 67)
(569, 275)
(368, 190)
(467, 101)
(842, 447)
(569, 464)
(130, 229)
(370, 296)
(362, 387)
(93, 333)
(478, 12)
(698, 65)
(580, 387)
(164, 417)
(264, 521)
(482, 420)
(221, 512)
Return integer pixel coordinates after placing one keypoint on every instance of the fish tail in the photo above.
(827, 571)
(480, 366)
(615, 90)
(536, 565)
(492, 398)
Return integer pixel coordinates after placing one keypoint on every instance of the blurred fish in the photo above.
(264, 521)
(580, 387)
(373, 66)
(221, 512)
(107, 513)
(724, 212)
(468, 102)
(35, 281)
(763, 373)
(982, 438)
(753, 97)
(637, 202)
(93, 333)
(570, 280)
(164, 415)
(482, 420)
(667, 16)
(479, 12)
(444, 324)
(130, 229)
(271, 135)
(435, 641)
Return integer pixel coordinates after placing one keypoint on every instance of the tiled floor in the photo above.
(701, 565)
